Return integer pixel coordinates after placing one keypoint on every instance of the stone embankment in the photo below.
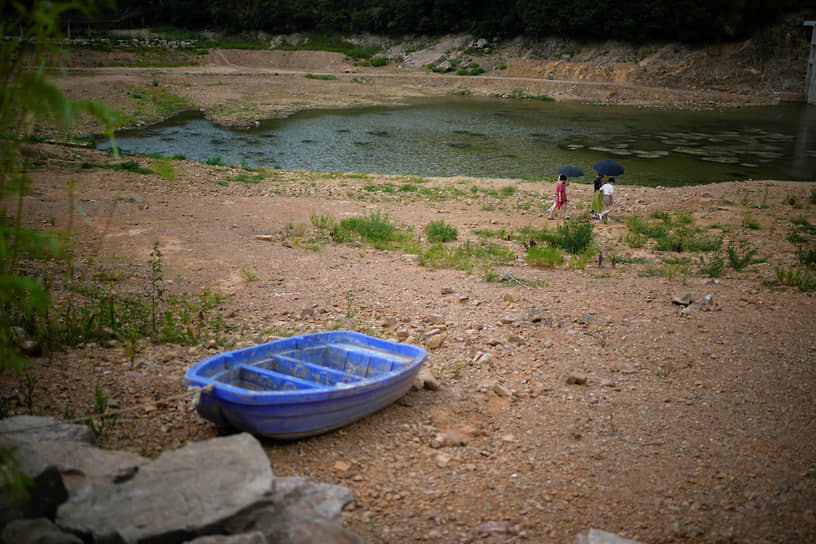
(220, 490)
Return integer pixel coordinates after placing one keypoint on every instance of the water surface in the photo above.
(467, 136)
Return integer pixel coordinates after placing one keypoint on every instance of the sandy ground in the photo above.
(692, 426)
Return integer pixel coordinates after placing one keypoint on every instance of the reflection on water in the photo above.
(508, 139)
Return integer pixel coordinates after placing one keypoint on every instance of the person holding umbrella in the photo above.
(603, 169)
(597, 199)
(564, 173)
(560, 196)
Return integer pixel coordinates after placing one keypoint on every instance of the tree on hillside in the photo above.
(625, 20)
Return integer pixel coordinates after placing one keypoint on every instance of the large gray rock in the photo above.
(299, 511)
(36, 531)
(179, 496)
(43, 429)
(81, 464)
(255, 537)
(220, 491)
(45, 494)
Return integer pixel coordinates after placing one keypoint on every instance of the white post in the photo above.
(810, 81)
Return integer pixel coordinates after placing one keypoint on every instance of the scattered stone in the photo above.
(447, 290)
(482, 358)
(705, 303)
(402, 334)
(587, 319)
(448, 439)
(442, 459)
(434, 338)
(535, 315)
(493, 528)
(426, 380)
(342, 466)
(597, 536)
(502, 391)
(436, 319)
(575, 379)
(511, 297)
(682, 298)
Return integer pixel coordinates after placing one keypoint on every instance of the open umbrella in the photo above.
(608, 168)
(570, 171)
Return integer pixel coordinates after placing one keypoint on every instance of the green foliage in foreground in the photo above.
(27, 98)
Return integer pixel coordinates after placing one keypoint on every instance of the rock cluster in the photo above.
(216, 491)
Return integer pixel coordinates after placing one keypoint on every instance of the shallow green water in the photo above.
(508, 139)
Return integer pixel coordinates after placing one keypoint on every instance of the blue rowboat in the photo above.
(304, 385)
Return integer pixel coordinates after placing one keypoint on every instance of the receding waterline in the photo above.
(506, 139)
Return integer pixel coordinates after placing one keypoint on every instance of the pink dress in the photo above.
(560, 194)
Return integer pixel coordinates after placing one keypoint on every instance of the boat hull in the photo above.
(304, 385)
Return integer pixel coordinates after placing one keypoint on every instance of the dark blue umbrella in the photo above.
(608, 168)
(570, 171)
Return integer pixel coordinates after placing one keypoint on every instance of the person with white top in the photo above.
(608, 189)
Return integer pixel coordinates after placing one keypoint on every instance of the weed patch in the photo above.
(439, 231)
(544, 256)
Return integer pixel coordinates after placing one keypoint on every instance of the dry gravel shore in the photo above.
(569, 397)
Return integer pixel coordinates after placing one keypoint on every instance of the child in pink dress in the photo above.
(560, 196)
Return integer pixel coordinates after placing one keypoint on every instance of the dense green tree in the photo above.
(628, 20)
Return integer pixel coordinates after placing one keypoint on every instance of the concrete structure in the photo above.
(810, 82)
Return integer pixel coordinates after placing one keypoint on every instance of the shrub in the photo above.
(466, 256)
(740, 257)
(575, 236)
(714, 267)
(792, 277)
(379, 61)
(544, 257)
(531, 234)
(164, 168)
(376, 229)
(635, 240)
(807, 256)
(322, 222)
(439, 231)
